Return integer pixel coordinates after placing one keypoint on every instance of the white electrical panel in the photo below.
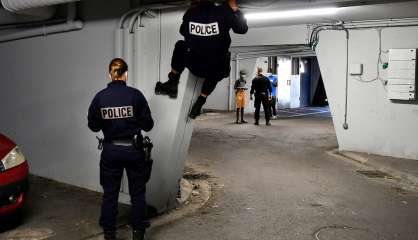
(356, 69)
(402, 74)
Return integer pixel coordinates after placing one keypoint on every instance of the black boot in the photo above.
(170, 87)
(138, 235)
(242, 116)
(256, 123)
(197, 107)
(268, 123)
(110, 235)
(237, 122)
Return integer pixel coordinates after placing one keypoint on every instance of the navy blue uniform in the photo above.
(121, 112)
(261, 88)
(205, 49)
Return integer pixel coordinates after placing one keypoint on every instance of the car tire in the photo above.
(12, 221)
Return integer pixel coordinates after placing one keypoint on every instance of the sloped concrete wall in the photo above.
(173, 129)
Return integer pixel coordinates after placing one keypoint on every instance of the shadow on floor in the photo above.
(58, 210)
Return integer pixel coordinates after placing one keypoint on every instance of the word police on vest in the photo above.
(117, 112)
(205, 30)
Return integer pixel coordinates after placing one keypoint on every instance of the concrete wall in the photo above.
(46, 88)
(376, 125)
(219, 99)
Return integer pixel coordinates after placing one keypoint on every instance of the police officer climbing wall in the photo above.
(205, 49)
(121, 112)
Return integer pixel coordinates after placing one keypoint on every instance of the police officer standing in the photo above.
(261, 88)
(205, 48)
(121, 112)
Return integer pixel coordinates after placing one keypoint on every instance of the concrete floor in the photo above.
(58, 211)
(277, 182)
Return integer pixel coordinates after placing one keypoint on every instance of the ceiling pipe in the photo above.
(138, 17)
(17, 12)
(70, 25)
(21, 5)
(33, 15)
(42, 31)
(119, 32)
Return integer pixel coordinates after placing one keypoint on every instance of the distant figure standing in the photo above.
(273, 80)
(240, 89)
(261, 88)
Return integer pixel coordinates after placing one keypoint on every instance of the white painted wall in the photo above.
(376, 125)
(295, 91)
(46, 87)
(219, 99)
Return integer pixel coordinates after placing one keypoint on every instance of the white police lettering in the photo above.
(205, 30)
(117, 112)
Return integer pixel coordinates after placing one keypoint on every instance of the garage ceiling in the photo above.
(283, 4)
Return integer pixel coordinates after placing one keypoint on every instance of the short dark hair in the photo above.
(117, 68)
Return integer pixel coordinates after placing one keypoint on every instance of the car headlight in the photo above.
(12, 159)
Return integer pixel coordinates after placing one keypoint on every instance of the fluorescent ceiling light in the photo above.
(292, 14)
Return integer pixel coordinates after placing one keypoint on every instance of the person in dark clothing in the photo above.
(205, 48)
(261, 88)
(240, 90)
(121, 112)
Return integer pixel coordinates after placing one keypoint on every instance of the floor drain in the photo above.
(375, 174)
(342, 232)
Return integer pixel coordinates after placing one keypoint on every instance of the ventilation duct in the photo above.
(46, 29)
(38, 14)
(20, 5)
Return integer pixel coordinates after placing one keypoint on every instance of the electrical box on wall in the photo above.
(402, 74)
(356, 69)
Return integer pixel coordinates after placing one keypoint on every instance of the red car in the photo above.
(14, 172)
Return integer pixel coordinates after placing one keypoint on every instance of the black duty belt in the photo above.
(135, 141)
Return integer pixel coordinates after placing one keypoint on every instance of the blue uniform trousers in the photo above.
(114, 160)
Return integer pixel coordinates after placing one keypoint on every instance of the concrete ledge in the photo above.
(405, 170)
